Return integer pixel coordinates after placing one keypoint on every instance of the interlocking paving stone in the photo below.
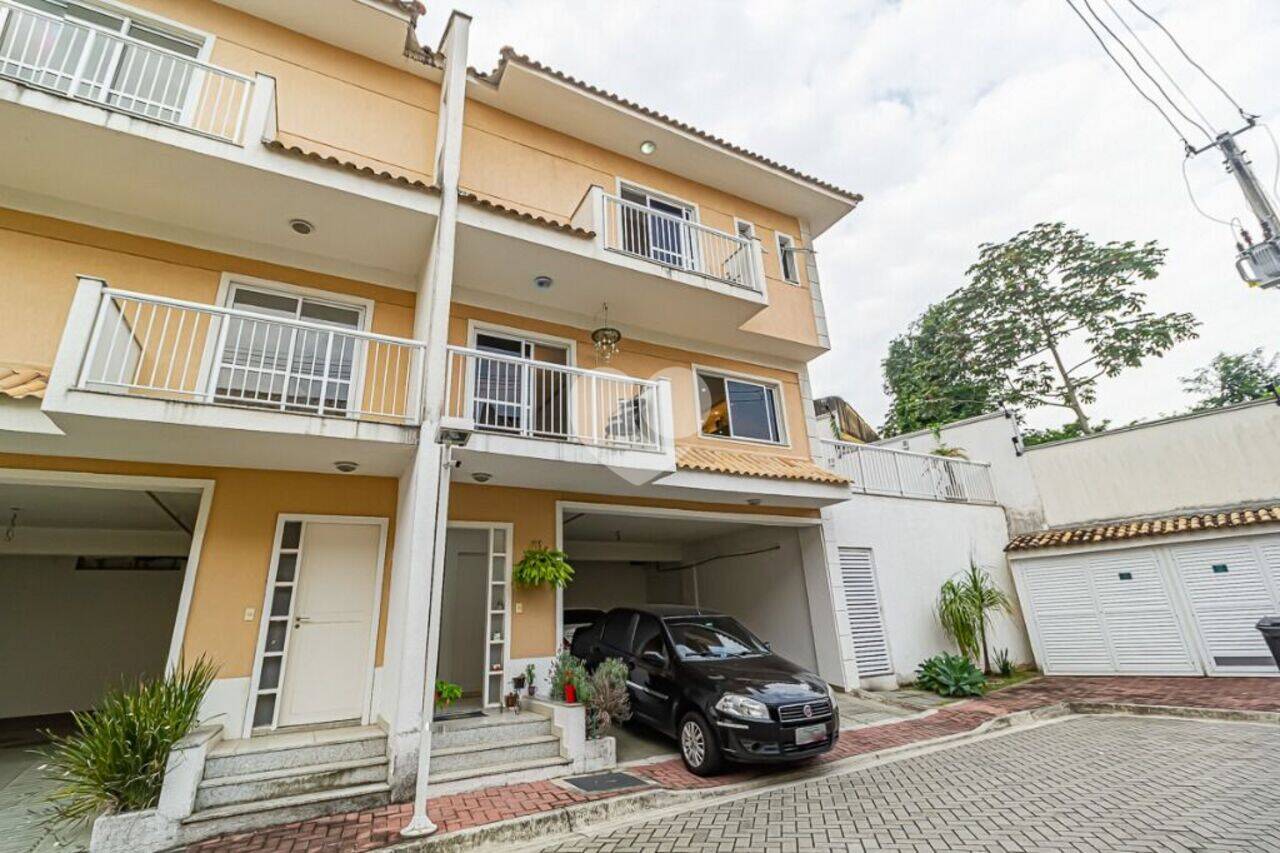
(1085, 784)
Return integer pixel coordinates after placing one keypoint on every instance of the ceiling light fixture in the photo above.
(606, 338)
(648, 147)
(482, 476)
(345, 466)
(301, 226)
(753, 501)
(543, 282)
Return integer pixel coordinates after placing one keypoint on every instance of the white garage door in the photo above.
(1230, 584)
(1104, 613)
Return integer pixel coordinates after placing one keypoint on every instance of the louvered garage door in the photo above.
(1108, 613)
(862, 603)
(1230, 584)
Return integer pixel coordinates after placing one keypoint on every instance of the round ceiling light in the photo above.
(301, 226)
(482, 476)
(345, 466)
(543, 282)
(648, 147)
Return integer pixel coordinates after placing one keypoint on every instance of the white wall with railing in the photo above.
(89, 63)
(507, 395)
(170, 349)
(883, 471)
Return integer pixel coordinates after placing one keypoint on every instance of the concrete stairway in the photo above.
(494, 749)
(287, 777)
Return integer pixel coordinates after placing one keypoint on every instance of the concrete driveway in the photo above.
(1112, 783)
(23, 788)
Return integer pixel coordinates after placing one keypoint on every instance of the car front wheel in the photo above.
(698, 745)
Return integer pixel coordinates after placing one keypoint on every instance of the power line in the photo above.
(1145, 72)
(1169, 77)
(1187, 57)
(1125, 72)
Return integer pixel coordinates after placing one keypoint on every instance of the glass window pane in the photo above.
(270, 679)
(280, 600)
(319, 312)
(752, 407)
(276, 631)
(286, 567)
(714, 405)
(292, 534)
(164, 40)
(264, 710)
(499, 540)
(648, 636)
(94, 16)
(265, 303)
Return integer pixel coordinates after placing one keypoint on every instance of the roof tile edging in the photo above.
(1120, 531)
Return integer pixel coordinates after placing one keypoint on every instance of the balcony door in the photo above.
(289, 359)
(661, 235)
(92, 52)
(514, 392)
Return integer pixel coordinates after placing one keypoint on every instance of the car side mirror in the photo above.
(654, 658)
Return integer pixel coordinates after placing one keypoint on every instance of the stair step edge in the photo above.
(497, 769)
(290, 772)
(487, 747)
(253, 806)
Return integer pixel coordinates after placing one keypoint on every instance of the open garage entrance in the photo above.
(92, 573)
(750, 567)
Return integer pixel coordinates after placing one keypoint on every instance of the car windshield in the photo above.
(713, 638)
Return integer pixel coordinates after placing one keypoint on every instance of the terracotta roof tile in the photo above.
(514, 213)
(715, 461)
(509, 54)
(318, 156)
(1113, 531)
(19, 381)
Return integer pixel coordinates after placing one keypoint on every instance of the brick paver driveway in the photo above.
(1086, 783)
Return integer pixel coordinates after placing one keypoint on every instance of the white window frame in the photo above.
(692, 260)
(779, 406)
(750, 230)
(481, 327)
(779, 236)
(226, 289)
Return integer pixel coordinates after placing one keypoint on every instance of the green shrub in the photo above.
(115, 759)
(950, 675)
(608, 701)
(541, 565)
(447, 693)
(1004, 665)
(568, 669)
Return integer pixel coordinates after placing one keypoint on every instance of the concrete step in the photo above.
(242, 817)
(276, 784)
(515, 767)
(287, 751)
(455, 733)
(495, 754)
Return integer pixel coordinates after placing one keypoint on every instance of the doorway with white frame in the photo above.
(475, 619)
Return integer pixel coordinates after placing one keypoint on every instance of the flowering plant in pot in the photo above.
(569, 679)
(531, 675)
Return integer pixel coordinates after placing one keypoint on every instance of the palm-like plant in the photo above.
(967, 604)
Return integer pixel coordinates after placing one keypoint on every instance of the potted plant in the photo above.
(447, 693)
(541, 565)
(531, 676)
(517, 682)
(569, 680)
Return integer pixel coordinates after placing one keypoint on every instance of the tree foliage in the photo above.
(966, 606)
(927, 376)
(1230, 378)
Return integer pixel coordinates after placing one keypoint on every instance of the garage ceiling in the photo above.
(602, 527)
(99, 509)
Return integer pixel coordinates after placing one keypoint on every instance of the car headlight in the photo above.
(742, 706)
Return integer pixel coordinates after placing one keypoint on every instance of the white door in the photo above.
(862, 605)
(1105, 613)
(326, 671)
(1230, 584)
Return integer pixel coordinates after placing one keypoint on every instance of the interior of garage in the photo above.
(90, 580)
(750, 570)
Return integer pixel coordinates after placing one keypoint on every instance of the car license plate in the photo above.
(811, 734)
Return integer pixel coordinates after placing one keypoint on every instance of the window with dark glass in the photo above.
(738, 408)
(787, 258)
(648, 637)
(617, 630)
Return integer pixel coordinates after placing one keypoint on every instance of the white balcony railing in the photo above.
(170, 349)
(679, 243)
(884, 471)
(88, 63)
(534, 399)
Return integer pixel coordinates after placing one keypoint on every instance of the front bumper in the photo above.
(768, 742)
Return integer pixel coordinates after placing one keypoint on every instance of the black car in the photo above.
(703, 678)
(577, 618)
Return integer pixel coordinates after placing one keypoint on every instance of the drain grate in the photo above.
(599, 782)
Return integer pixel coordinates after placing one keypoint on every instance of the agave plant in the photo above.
(950, 675)
(967, 604)
(115, 759)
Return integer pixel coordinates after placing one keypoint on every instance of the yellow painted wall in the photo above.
(532, 513)
(536, 169)
(651, 361)
(328, 100)
(235, 559)
(40, 258)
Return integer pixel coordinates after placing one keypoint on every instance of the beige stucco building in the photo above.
(325, 328)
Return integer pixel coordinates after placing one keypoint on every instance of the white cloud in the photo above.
(961, 122)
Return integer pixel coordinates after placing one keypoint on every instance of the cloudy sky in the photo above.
(961, 121)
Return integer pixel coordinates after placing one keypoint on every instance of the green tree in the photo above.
(1233, 378)
(928, 377)
(1051, 291)
(966, 605)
